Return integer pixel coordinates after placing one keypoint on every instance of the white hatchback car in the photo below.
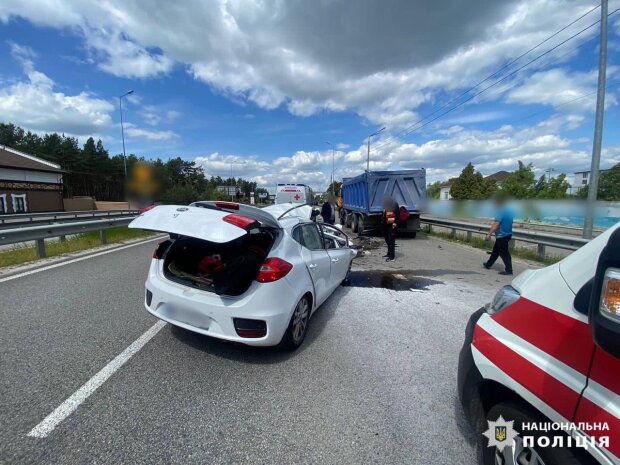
(242, 273)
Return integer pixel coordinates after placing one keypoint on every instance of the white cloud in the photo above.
(382, 65)
(35, 104)
(556, 87)
(132, 130)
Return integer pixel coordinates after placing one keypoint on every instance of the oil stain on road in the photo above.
(397, 280)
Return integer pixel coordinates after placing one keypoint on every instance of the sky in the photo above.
(275, 90)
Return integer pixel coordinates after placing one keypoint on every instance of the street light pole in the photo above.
(120, 106)
(368, 156)
(333, 156)
(598, 126)
(232, 197)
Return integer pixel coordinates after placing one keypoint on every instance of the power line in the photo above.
(415, 126)
(566, 102)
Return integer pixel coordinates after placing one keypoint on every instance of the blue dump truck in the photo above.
(363, 198)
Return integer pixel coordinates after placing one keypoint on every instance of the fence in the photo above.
(541, 239)
(40, 232)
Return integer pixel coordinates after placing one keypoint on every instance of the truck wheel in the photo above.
(536, 455)
(347, 218)
(354, 218)
(413, 234)
(360, 224)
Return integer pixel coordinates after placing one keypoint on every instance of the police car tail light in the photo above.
(610, 295)
(273, 269)
(506, 296)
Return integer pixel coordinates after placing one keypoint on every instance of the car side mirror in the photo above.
(314, 214)
(604, 309)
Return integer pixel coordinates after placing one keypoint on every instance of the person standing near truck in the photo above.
(389, 223)
(502, 228)
(327, 212)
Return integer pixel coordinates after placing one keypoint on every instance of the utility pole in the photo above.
(548, 172)
(120, 106)
(333, 156)
(232, 196)
(368, 156)
(598, 126)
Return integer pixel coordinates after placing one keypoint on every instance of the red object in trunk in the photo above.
(239, 220)
(273, 269)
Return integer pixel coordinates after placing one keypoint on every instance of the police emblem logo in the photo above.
(500, 433)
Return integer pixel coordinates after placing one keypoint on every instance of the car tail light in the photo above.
(273, 269)
(239, 220)
(161, 248)
(227, 205)
(250, 328)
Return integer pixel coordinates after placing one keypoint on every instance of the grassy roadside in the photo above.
(20, 255)
(479, 243)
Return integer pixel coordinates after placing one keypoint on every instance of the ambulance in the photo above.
(294, 193)
(539, 372)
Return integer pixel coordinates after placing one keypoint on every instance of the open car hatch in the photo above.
(202, 223)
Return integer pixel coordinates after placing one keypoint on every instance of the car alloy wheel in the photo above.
(518, 455)
(300, 320)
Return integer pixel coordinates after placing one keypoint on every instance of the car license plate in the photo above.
(187, 316)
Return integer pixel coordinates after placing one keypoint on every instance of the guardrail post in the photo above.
(453, 233)
(41, 248)
(469, 236)
(512, 244)
(103, 236)
(541, 251)
(63, 238)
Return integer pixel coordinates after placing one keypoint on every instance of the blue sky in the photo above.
(264, 86)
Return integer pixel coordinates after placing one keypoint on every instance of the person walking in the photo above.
(502, 228)
(389, 223)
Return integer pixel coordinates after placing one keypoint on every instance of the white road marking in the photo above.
(78, 259)
(65, 409)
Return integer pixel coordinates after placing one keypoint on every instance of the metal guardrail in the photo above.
(39, 233)
(27, 219)
(542, 239)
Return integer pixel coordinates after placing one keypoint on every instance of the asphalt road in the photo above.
(374, 382)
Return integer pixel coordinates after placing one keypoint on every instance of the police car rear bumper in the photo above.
(470, 379)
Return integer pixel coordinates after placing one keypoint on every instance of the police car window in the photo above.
(311, 237)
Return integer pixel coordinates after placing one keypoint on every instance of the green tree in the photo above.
(433, 190)
(337, 186)
(471, 185)
(608, 185)
(521, 184)
(554, 188)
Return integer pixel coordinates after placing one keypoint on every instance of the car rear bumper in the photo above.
(212, 315)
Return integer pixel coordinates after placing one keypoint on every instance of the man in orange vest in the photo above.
(389, 223)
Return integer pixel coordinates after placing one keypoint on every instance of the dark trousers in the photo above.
(500, 249)
(390, 239)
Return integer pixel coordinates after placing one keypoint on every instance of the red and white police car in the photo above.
(545, 353)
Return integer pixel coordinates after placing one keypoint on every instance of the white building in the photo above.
(580, 179)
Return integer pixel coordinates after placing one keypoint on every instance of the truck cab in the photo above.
(545, 354)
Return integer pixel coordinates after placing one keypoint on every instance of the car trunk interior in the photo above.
(223, 268)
